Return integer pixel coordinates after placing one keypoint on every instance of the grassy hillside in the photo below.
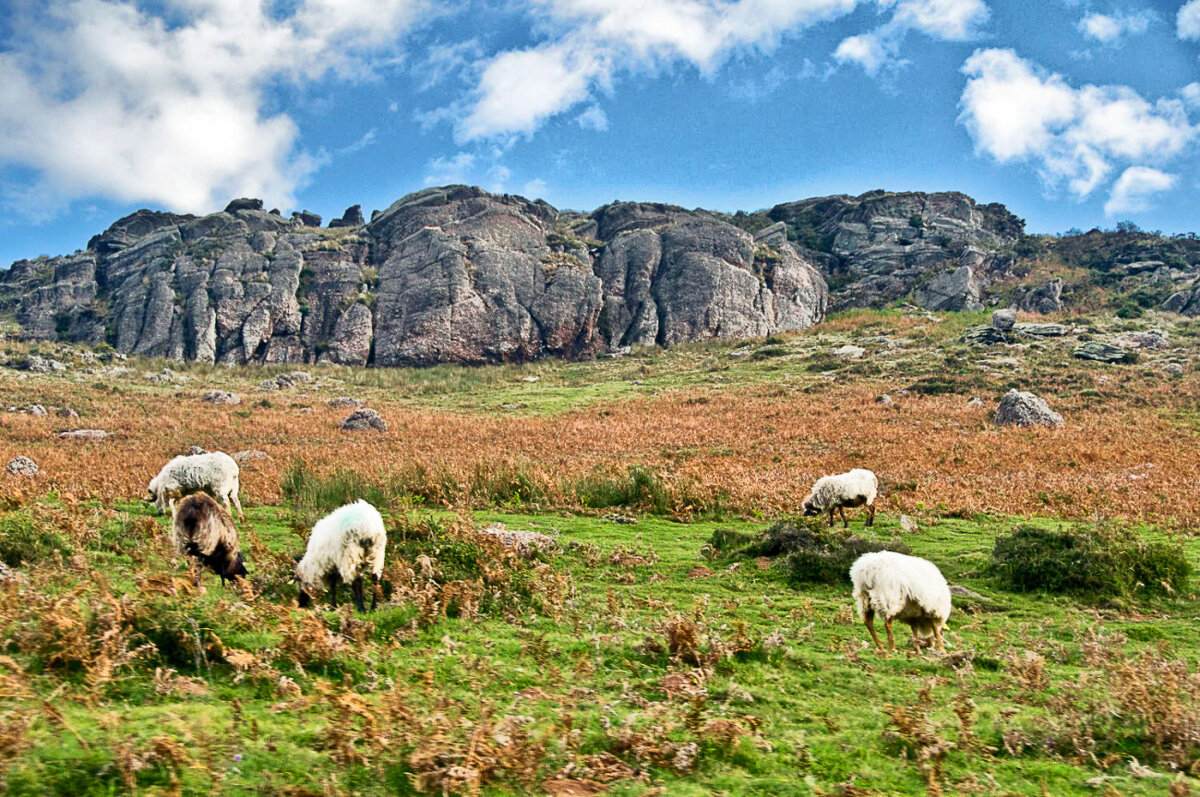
(631, 658)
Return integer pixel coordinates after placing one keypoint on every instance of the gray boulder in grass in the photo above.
(364, 418)
(22, 466)
(1019, 408)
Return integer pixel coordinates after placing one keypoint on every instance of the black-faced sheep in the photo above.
(203, 529)
(855, 488)
(900, 587)
(344, 545)
(215, 474)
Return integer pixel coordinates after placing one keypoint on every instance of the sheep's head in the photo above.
(152, 490)
(810, 507)
(236, 568)
(304, 589)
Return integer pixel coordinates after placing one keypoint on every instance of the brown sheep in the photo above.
(204, 530)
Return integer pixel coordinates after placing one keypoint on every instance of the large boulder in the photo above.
(353, 217)
(1004, 319)
(1019, 408)
(1184, 302)
(221, 397)
(364, 418)
(954, 290)
(1046, 298)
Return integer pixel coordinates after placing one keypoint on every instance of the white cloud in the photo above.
(594, 118)
(867, 50)
(1018, 112)
(1134, 188)
(590, 42)
(449, 171)
(534, 189)
(106, 98)
(1187, 22)
(1191, 95)
(948, 20)
(1109, 28)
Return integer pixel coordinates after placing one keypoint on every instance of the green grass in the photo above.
(812, 702)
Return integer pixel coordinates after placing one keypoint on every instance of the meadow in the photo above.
(635, 657)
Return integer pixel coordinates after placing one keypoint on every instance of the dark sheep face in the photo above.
(236, 568)
(304, 599)
(810, 510)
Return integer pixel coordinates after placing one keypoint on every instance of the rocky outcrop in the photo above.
(1185, 302)
(881, 245)
(1103, 352)
(455, 274)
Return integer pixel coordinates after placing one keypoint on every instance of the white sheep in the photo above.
(854, 488)
(203, 529)
(215, 473)
(344, 545)
(900, 587)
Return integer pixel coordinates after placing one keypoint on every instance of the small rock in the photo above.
(221, 397)
(83, 434)
(1103, 352)
(306, 219)
(1003, 320)
(364, 418)
(1153, 339)
(849, 352)
(984, 335)
(908, 525)
(527, 543)
(22, 466)
(529, 379)
(66, 412)
(885, 400)
(1019, 408)
(1173, 369)
(512, 405)
(963, 592)
(1041, 330)
(345, 402)
(37, 411)
(613, 517)
(194, 451)
(975, 402)
(242, 457)
(8, 574)
(243, 203)
(621, 351)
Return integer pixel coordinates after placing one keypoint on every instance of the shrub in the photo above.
(1097, 565)
(23, 540)
(812, 553)
(640, 488)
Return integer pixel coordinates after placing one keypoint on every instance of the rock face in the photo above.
(1044, 299)
(1018, 408)
(456, 274)
(1004, 320)
(951, 290)
(1185, 302)
(221, 397)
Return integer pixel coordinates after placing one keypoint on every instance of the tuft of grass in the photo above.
(811, 553)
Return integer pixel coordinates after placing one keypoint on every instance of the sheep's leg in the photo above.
(334, 582)
(356, 587)
(374, 591)
(842, 512)
(916, 639)
(237, 503)
(870, 514)
(869, 620)
(937, 636)
(830, 517)
(891, 638)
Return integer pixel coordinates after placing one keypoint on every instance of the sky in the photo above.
(1073, 113)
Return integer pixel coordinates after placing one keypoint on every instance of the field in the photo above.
(634, 657)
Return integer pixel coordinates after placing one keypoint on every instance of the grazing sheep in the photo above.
(854, 488)
(343, 545)
(215, 473)
(900, 587)
(204, 530)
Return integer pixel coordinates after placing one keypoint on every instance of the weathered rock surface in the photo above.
(1185, 302)
(83, 434)
(1004, 320)
(456, 274)
(22, 466)
(364, 418)
(1019, 408)
(1103, 352)
(345, 402)
(1041, 330)
(951, 290)
(1044, 299)
(984, 335)
(221, 397)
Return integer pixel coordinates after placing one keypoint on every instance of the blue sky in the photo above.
(1074, 113)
